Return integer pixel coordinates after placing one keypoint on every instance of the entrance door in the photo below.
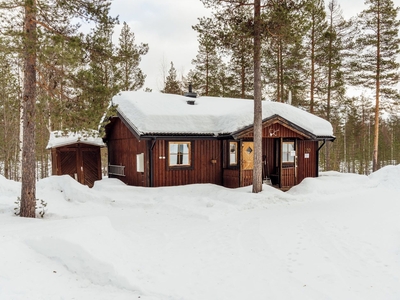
(247, 163)
(288, 166)
(67, 162)
(91, 169)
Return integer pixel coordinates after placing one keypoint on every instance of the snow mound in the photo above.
(9, 193)
(72, 190)
(9, 187)
(81, 254)
(331, 183)
(387, 177)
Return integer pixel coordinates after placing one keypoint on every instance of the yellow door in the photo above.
(247, 155)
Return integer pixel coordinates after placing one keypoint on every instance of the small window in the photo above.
(288, 152)
(233, 153)
(116, 170)
(179, 154)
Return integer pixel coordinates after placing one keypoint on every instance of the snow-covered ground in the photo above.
(332, 237)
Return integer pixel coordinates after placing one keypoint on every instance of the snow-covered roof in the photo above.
(61, 138)
(151, 113)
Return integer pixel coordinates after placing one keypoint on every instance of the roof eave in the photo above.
(286, 122)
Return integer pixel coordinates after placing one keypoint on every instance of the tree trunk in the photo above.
(257, 170)
(28, 189)
(375, 164)
(312, 81)
(328, 97)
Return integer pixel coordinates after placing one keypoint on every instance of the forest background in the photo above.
(312, 57)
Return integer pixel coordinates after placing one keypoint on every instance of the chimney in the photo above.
(190, 94)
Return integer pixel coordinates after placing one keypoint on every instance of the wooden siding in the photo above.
(268, 153)
(231, 178)
(246, 178)
(275, 130)
(307, 167)
(122, 150)
(206, 160)
(206, 164)
(209, 159)
(288, 177)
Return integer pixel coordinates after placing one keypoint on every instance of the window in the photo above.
(233, 153)
(116, 170)
(288, 152)
(179, 154)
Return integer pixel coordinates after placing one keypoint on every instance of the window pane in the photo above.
(173, 148)
(184, 148)
(288, 152)
(173, 159)
(233, 153)
(179, 153)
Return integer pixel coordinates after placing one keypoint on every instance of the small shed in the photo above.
(76, 154)
(160, 139)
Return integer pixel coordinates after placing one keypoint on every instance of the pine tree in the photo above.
(284, 54)
(208, 62)
(252, 28)
(257, 172)
(40, 20)
(9, 112)
(333, 88)
(172, 85)
(237, 41)
(315, 13)
(96, 83)
(129, 57)
(334, 36)
(377, 64)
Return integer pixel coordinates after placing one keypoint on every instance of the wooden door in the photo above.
(246, 163)
(247, 155)
(90, 166)
(288, 163)
(67, 162)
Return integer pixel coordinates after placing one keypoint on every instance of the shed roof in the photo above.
(157, 113)
(61, 138)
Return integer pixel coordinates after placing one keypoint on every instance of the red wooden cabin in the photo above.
(165, 140)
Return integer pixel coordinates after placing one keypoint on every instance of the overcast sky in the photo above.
(166, 25)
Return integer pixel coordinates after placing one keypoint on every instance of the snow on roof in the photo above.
(61, 138)
(155, 112)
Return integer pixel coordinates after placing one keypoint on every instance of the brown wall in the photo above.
(206, 164)
(274, 131)
(207, 159)
(307, 167)
(123, 147)
(122, 150)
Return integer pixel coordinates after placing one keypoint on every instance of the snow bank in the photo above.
(332, 237)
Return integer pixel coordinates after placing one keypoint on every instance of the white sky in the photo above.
(166, 25)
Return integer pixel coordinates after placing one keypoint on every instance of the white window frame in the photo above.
(233, 154)
(179, 154)
(288, 147)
